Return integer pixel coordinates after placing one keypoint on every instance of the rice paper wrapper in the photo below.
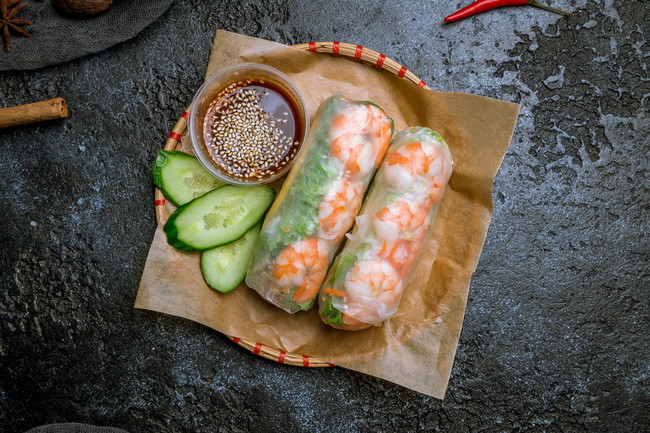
(416, 347)
(364, 285)
(297, 226)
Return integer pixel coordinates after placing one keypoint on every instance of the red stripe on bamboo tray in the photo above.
(305, 360)
(236, 340)
(281, 356)
(312, 47)
(258, 348)
(335, 48)
(380, 61)
(186, 115)
(358, 52)
(402, 72)
(422, 84)
(175, 135)
(160, 202)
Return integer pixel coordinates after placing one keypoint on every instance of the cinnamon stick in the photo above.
(32, 113)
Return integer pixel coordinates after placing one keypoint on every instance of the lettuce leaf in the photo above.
(331, 314)
(299, 212)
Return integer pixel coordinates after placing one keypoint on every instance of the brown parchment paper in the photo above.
(416, 347)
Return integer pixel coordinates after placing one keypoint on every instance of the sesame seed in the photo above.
(245, 139)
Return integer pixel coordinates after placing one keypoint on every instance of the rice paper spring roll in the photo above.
(366, 281)
(318, 202)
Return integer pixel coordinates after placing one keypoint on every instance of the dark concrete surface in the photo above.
(555, 333)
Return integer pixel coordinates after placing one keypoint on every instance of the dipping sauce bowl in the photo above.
(248, 123)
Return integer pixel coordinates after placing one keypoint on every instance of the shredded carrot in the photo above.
(335, 292)
(383, 248)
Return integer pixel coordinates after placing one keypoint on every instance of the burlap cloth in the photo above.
(74, 428)
(57, 38)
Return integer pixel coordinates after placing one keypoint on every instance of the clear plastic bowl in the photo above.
(214, 85)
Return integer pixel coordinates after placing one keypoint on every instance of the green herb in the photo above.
(345, 262)
(435, 135)
(304, 306)
(390, 198)
(299, 212)
(331, 314)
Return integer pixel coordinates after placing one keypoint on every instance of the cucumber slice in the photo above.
(181, 177)
(224, 267)
(218, 217)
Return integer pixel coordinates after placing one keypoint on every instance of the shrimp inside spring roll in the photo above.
(318, 202)
(366, 281)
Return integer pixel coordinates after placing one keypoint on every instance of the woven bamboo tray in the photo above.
(350, 51)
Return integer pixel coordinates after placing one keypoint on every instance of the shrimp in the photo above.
(373, 290)
(302, 264)
(399, 228)
(402, 219)
(355, 151)
(435, 193)
(352, 118)
(382, 124)
(360, 136)
(399, 253)
(338, 209)
(412, 162)
(352, 324)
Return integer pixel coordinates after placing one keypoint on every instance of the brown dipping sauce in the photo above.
(251, 129)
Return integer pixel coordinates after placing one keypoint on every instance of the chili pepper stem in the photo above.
(548, 8)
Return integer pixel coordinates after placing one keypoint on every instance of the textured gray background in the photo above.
(555, 333)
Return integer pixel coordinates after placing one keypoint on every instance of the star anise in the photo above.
(10, 21)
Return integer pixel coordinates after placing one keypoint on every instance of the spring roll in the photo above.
(318, 202)
(366, 281)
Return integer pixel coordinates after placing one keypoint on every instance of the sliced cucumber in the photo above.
(224, 267)
(181, 177)
(218, 217)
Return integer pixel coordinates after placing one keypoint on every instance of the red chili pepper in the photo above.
(486, 5)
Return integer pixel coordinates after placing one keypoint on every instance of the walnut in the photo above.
(82, 8)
